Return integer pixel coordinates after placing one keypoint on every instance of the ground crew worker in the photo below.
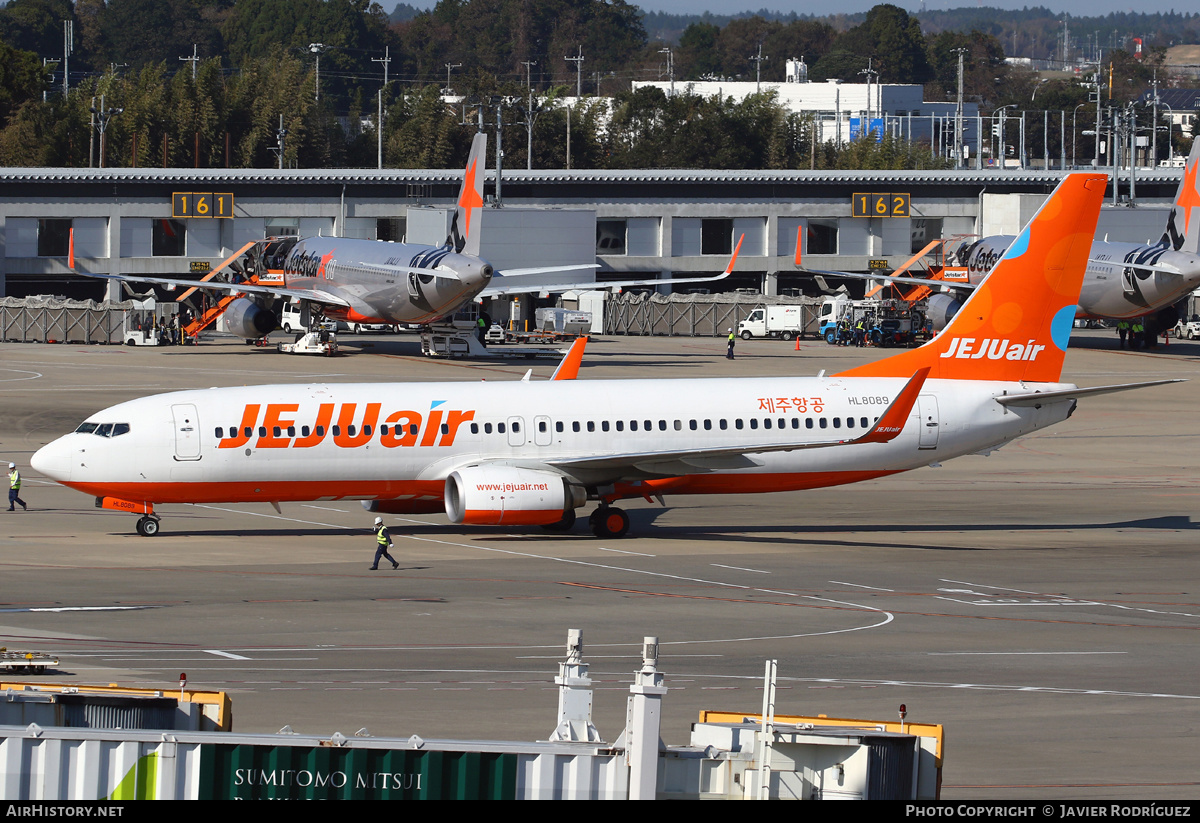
(1123, 330)
(481, 330)
(383, 542)
(1137, 332)
(729, 349)
(14, 488)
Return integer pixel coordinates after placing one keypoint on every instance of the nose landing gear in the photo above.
(147, 526)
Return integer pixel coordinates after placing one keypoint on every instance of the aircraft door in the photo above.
(187, 431)
(541, 430)
(930, 423)
(516, 431)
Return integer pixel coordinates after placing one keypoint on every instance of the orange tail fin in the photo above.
(1016, 325)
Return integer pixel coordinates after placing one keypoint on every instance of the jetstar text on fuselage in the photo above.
(992, 348)
(280, 426)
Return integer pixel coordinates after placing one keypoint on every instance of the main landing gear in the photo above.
(147, 526)
(609, 521)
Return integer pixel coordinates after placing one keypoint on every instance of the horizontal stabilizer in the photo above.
(1037, 399)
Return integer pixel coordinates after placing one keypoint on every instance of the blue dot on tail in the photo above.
(1018, 247)
(1061, 325)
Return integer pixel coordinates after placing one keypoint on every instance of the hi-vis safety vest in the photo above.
(14, 480)
(381, 536)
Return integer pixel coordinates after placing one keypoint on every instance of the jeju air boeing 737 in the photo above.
(530, 454)
(376, 281)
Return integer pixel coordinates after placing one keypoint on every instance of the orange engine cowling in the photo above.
(509, 495)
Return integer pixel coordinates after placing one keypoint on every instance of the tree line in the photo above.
(204, 83)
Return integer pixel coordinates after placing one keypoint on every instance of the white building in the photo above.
(842, 108)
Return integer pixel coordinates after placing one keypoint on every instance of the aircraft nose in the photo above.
(53, 460)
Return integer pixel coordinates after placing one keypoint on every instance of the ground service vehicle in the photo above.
(774, 321)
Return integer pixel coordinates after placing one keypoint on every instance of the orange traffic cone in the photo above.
(797, 342)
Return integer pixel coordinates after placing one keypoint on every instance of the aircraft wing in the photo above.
(887, 278)
(692, 461)
(315, 295)
(499, 286)
(445, 274)
(506, 283)
(1121, 264)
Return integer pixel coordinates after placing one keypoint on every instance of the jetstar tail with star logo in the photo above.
(1182, 233)
(464, 229)
(1016, 324)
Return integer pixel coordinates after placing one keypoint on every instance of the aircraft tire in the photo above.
(147, 526)
(609, 521)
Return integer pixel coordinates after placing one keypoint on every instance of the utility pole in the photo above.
(68, 50)
(958, 114)
(578, 61)
(385, 60)
(449, 68)
(758, 59)
(670, 66)
(530, 112)
(317, 48)
(194, 59)
(280, 136)
(103, 116)
(868, 71)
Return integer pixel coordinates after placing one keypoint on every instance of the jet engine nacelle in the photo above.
(941, 307)
(247, 319)
(509, 495)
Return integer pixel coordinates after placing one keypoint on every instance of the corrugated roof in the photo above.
(707, 177)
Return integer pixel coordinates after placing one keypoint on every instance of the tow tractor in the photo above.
(320, 342)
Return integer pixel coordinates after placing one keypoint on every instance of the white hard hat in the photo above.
(12, 465)
(378, 521)
(731, 328)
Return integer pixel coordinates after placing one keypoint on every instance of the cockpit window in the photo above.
(104, 429)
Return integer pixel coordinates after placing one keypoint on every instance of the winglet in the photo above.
(71, 249)
(799, 240)
(732, 260)
(568, 369)
(891, 423)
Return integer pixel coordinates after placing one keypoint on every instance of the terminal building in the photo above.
(636, 224)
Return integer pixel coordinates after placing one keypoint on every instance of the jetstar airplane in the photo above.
(1123, 280)
(373, 281)
(525, 453)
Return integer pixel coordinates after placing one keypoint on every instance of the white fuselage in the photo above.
(401, 441)
(369, 275)
(1111, 286)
